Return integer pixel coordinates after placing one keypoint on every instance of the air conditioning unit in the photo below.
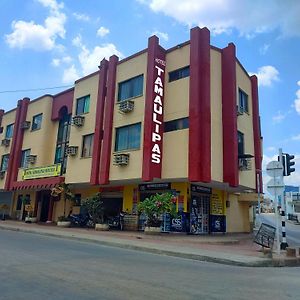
(121, 159)
(25, 125)
(31, 159)
(239, 110)
(78, 121)
(2, 174)
(5, 142)
(245, 164)
(72, 150)
(126, 106)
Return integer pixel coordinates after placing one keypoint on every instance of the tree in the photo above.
(94, 206)
(156, 205)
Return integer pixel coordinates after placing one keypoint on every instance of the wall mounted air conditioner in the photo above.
(31, 159)
(72, 150)
(78, 121)
(126, 106)
(5, 142)
(121, 159)
(25, 125)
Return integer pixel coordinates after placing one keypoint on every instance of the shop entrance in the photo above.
(199, 216)
(45, 203)
(112, 206)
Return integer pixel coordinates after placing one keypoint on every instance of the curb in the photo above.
(199, 257)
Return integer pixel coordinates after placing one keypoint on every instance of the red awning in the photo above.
(42, 183)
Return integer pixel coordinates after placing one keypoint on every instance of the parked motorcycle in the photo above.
(82, 220)
(116, 222)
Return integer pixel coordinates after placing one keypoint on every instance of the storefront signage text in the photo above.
(155, 186)
(200, 189)
(42, 172)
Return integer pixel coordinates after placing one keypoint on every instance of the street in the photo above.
(292, 230)
(38, 267)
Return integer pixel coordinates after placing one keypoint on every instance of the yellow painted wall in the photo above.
(182, 187)
(237, 215)
(78, 168)
(8, 118)
(42, 142)
(126, 70)
(128, 197)
(216, 116)
(176, 101)
(245, 125)
(175, 154)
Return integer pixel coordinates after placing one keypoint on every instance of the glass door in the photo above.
(199, 216)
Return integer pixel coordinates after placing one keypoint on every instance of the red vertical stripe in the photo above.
(108, 120)
(12, 155)
(229, 116)
(19, 141)
(199, 107)
(99, 122)
(256, 132)
(156, 59)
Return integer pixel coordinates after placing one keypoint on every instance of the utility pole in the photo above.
(284, 244)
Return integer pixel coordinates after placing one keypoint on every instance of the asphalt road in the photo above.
(38, 267)
(292, 230)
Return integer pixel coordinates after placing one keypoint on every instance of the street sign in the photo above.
(275, 186)
(274, 168)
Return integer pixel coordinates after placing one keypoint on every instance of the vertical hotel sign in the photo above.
(157, 116)
(154, 102)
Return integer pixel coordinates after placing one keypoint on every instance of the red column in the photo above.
(256, 133)
(108, 122)
(13, 147)
(229, 116)
(153, 116)
(94, 179)
(19, 141)
(199, 107)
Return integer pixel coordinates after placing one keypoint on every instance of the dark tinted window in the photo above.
(243, 101)
(128, 137)
(177, 124)
(180, 73)
(241, 147)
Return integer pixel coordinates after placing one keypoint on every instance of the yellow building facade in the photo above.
(183, 120)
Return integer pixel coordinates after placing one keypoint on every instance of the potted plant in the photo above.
(63, 221)
(62, 189)
(95, 208)
(154, 207)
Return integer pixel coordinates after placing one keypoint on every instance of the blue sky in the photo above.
(49, 43)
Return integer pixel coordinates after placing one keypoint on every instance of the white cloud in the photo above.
(56, 62)
(77, 41)
(36, 36)
(248, 17)
(296, 138)
(271, 149)
(102, 31)
(90, 59)
(297, 100)
(70, 75)
(81, 17)
(279, 117)
(266, 75)
(161, 35)
(264, 49)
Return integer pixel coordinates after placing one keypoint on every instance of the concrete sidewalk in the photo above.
(232, 249)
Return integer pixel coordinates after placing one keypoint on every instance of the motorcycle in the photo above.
(81, 220)
(116, 222)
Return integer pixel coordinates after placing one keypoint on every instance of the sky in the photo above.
(46, 45)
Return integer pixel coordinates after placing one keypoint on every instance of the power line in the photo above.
(38, 89)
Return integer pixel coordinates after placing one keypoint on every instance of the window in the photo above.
(24, 155)
(180, 73)
(131, 88)
(241, 145)
(83, 105)
(177, 124)
(243, 101)
(87, 145)
(128, 137)
(4, 162)
(9, 131)
(37, 122)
